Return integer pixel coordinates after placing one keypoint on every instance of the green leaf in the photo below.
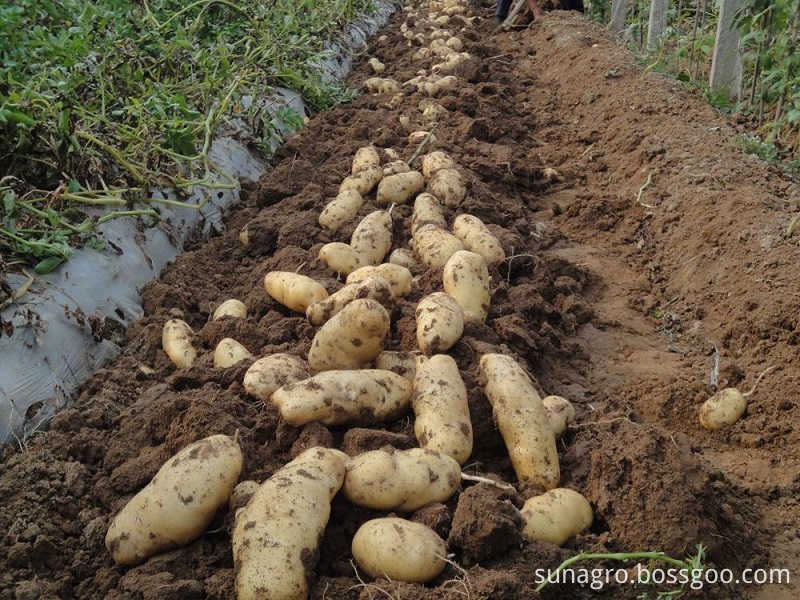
(73, 186)
(48, 264)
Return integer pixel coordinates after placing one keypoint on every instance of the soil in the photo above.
(621, 295)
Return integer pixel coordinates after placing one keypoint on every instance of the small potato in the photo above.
(377, 66)
(436, 161)
(399, 550)
(341, 258)
(341, 210)
(421, 55)
(364, 181)
(400, 362)
(418, 137)
(477, 238)
(466, 279)
(381, 85)
(374, 288)
(447, 186)
(440, 404)
(372, 238)
(395, 167)
(179, 503)
(556, 516)
(271, 372)
(723, 408)
(229, 352)
(296, 292)
(435, 246)
(231, 308)
(352, 338)
(403, 257)
(365, 158)
(440, 323)
(560, 413)
(400, 188)
(344, 397)
(455, 43)
(398, 277)
(242, 493)
(176, 340)
(427, 211)
(402, 480)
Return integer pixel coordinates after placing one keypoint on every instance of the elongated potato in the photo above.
(440, 405)
(365, 157)
(556, 516)
(296, 292)
(403, 257)
(373, 288)
(341, 210)
(344, 397)
(403, 480)
(364, 181)
(560, 412)
(427, 211)
(447, 186)
(477, 238)
(179, 503)
(400, 188)
(398, 277)
(372, 238)
(440, 323)
(400, 362)
(522, 420)
(276, 536)
(723, 409)
(271, 372)
(400, 550)
(229, 352)
(231, 308)
(436, 161)
(176, 340)
(381, 85)
(352, 338)
(435, 246)
(341, 258)
(466, 279)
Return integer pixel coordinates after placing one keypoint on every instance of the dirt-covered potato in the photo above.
(365, 158)
(417, 137)
(400, 550)
(179, 503)
(341, 258)
(381, 85)
(364, 181)
(400, 188)
(403, 257)
(352, 338)
(477, 238)
(398, 277)
(395, 167)
(344, 397)
(242, 493)
(373, 288)
(435, 246)
(231, 308)
(276, 536)
(440, 323)
(522, 420)
(341, 210)
(400, 362)
(556, 516)
(176, 340)
(448, 186)
(723, 408)
(427, 211)
(229, 352)
(435, 161)
(296, 292)
(377, 66)
(466, 278)
(271, 372)
(372, 238)
(560, 412)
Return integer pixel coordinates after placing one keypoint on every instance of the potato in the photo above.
(276, 536)
(403, 257)
(340, 210)
(400, 550)
(352, 338)
(560, 413)
(365, 158)
(477, 238)
(435, 246)
(400, 362)
(427, 211)
(377, 66)
(374, 288)
(435, 161)
(402, 480)
(432, 112)
(231, 308)
(455, 43)
(242, 493)
(271, 372)
(229, 352)
(466, 279)
(440, 405)
(522, 420)
(296, 292)
(440, 323)
(400, 188)
(381, 85)
(723, 408)
(179, 503)
(556, 516)
(344, 397)
(398, 277)
(447, 186)
(176, 340)
(395, 167)
(421, 54)
(341, 258)
(418, 137)
(364, 181)
(372, 238)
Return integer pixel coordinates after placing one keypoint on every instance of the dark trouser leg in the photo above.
(502, 9)
(572, 5)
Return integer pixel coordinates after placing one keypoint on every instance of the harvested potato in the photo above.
(403, 480)
(427, 211)
(229, 352)
(344, 397)
(421, 54)
(372, 238)
(477, 238)
(400, 550)
(455, 43)
(556, 516)
(381, 85)
(341, 258)
(271, 372)
(398, 277)
(466, 279)
(296, 292)
(440, 323)
(179, 503)
(436, 161)
(400, 188)
(727, 406)
(374, 288)
(231, 308)
(403, 257)
(560, 413)
(400, 362)
(377, 66)
(522, 420)
(364, 181)
(276, 536)
(176, 340)
(391, 154)
(365, 158)
(435, 246)
(418, 137)
(242, 493)
(352, 338)
(440, 405)
(395, 167)
(447, 186)
(341, 210)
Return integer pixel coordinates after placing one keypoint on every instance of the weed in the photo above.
(752, 144)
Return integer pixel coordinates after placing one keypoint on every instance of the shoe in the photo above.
(498, 20)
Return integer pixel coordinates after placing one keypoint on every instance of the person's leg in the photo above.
(572, 5)
(503, 6)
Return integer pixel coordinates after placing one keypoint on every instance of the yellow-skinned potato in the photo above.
(229, 352)
(400, 550)
(435, 246)
(400, 188)
(447, 186)
(381, 85)
(477, 238)
(352, 338)
(372, 238)
(521, 419)
(400, 362)
(403, 257)
(341, 210)
(417, 137)
(395, 167)
(271, 372)
(402, 480)
(373, 288)
(231, 308)
(466, 279)
(341, 258)
(344, 397)
(176, 339)
(276, 536)
(364, 181)
(435, 161)
(556, 516)
(723, 408)
(365, 157)
(179, 503)
(242, 493)
(398, 277)
(440, 405)
(427, 211)
(296, 292)
(560, 412)
(377, 66)
(440, 323)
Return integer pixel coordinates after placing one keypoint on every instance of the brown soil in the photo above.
(615, 300)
